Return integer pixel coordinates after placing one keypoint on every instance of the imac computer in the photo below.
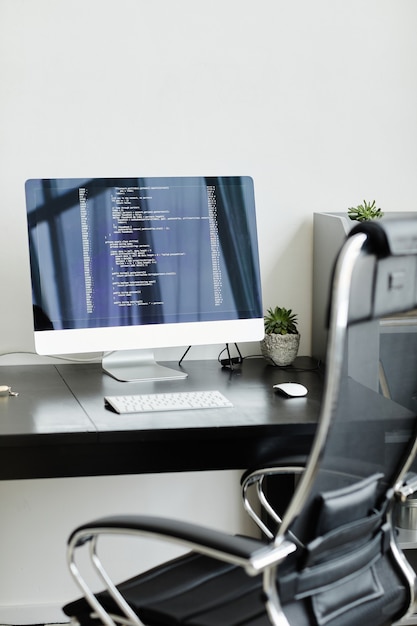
(126, 265)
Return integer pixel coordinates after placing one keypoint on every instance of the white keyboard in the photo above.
(177, 401)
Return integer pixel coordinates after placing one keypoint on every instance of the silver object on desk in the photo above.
(5, 390)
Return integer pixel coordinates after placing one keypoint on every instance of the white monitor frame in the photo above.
(121, 343)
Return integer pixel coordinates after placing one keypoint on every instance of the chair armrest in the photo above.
(255, 478)
(283, 465)
(251, 554)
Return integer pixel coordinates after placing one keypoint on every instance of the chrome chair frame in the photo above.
(255, 557)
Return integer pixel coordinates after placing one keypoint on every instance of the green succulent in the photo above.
(364, 212)
(280, 321)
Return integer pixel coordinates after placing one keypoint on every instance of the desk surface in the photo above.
(58, 425)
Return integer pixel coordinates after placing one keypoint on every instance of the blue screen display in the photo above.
(126, 251)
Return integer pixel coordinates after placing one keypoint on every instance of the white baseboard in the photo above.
(36, 614)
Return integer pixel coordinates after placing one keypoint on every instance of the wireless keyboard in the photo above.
(177, 401)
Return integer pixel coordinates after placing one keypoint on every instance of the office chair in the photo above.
(332, 558)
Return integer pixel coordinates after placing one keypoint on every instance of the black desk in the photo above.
(58, 426)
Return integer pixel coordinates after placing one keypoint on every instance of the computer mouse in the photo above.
(291, 390)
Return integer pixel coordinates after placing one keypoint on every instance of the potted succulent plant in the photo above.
(364, 212)
(282, 339)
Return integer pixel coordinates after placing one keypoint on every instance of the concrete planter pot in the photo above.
(280, 349)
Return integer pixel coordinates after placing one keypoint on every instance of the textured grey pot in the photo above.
(280, 349)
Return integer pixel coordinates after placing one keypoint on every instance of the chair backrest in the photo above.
(366, 438)
(368, 420)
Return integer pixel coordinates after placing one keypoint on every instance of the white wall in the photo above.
(316, 100)
(37, 517)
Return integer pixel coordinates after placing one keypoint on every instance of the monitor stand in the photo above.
(137, 366)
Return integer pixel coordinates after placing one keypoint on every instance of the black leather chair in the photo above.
(332, 558)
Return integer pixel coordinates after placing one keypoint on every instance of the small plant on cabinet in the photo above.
(365, 212)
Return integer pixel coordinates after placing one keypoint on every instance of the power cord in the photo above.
(230, 362)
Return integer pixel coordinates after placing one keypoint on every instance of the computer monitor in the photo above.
(120, 265)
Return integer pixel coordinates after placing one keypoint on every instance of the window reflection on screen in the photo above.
(120, 252)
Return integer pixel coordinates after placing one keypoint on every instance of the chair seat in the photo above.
(168, 594)
(195, 590)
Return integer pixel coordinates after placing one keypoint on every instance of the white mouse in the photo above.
(291, 390)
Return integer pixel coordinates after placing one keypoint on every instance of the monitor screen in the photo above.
(119, 264)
